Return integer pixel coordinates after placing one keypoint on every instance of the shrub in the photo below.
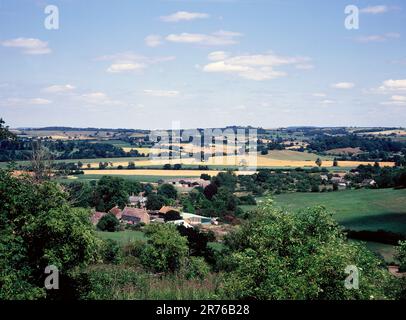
(165, 248)
(112, 252)
(196, 268)
(108, 223)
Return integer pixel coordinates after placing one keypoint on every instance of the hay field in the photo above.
(237, 161)
(161, 173)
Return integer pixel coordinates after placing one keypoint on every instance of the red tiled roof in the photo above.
(142, 214)
(117, 212)
(96, 217)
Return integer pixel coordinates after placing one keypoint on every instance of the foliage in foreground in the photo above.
(38, 228)
(302, 255)
(123, 282)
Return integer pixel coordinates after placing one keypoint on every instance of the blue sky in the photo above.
(203, 63)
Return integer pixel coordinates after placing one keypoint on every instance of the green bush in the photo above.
(109, 223)
(165, 248)
(112, 252)
(298, 255)
(196, 268)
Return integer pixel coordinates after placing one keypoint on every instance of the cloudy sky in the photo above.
(202, 63)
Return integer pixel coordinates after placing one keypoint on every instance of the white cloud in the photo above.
(17, 102)
(184, 16)
(375, 9)
(219, 38)
(162, 93)
(59, 88)
(125, 67)
(396, 100)
(393, 85)
(28, 45)
(378, 37)
(399, 98)
(131, 62)
(153, 40)
(254, 67)
(343, 85)
(319, 95)
(217, 55)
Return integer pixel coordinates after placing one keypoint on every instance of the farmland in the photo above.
(356, 209)
(162, 173)
(122, 237)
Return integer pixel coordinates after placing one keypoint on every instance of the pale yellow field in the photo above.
(259, 161)
(389, 132)
(164, 173)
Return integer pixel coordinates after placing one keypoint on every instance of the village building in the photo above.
(135, 216)
(96, 216)
(165, 209)
(187, 183)
(138, 201)
(117, 212)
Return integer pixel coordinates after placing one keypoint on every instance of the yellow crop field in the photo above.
(389, 132)
(161, 173)
(241, 161)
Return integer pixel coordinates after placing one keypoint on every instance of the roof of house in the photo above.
(137, 198)
(166, 209)
(142, 214)
(116, 211)
(96, 216)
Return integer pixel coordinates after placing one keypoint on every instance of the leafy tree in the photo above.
(109, 223)
(197, 240)
(205, 176)
(319, 162)
(210, 191)
(165, 250)
(80, 194)
(298, 255)
(401, 256)
(172, 215)
(38, 228)
(110, 192)
(5, 132)
(155, 202)
(168, 191)
(226, 179)
(133, 187)
(131, 165)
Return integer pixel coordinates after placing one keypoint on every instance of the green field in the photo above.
(122, 237)
(146, 179)
(356, 209)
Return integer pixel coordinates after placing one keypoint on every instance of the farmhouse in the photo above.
(96, 216)
(135, 216)
(188, 182)
(138, 201)
(165, 209)
(117, 212)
